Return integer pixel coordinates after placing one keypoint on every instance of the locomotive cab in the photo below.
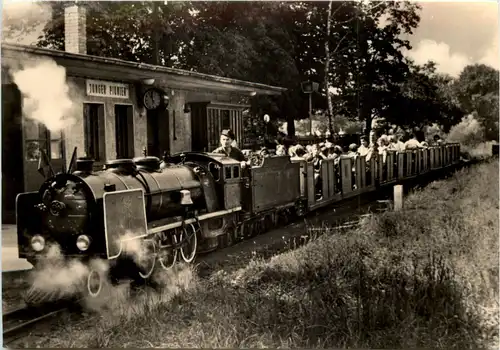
(226, 173)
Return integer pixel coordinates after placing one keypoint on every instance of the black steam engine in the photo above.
(140, 213)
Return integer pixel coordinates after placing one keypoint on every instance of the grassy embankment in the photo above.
(426, 277)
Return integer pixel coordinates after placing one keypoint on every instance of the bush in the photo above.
(469, 132)
(472, 138)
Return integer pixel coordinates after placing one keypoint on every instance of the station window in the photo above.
(225, 119)
(93, 120)
(236, 172)
(124, 131)
(38, 138)
(56, 151)
(228, 172)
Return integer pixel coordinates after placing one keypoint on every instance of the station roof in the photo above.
(105, 68)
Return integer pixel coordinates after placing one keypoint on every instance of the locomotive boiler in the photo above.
(86, 214)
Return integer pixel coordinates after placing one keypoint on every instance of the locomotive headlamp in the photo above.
(83, 242)
(186, 198)
(37, 243)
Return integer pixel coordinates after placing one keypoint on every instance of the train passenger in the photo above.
(363, 149)
(412, 143)
(264, 152)
(300, 151)
(373, 138)
(396, 144)
(226, 140)
(383, 142)
(316, 157)
(372, 148)
(353, 150)
(280, 150)
(337, 152)
(329, 150)
(437, 140)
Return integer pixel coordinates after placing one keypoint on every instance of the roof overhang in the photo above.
(88, 66)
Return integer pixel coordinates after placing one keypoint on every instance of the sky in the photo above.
(453, 34)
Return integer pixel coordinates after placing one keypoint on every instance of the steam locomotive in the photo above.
(189, 204)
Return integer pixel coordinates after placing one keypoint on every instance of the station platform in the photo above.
(10, 259)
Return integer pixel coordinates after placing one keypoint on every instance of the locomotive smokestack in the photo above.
(84, 165)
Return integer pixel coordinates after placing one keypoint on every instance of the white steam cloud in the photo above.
(58, 278)
(119, 302)
(46, 94)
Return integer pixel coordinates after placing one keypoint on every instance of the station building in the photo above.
(123, 109)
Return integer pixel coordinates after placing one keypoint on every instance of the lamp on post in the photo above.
(266, 121)
(308, 87)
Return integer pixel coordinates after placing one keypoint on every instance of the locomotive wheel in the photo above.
(268, 223)
(300, 209)
(147, 264)
(253, 228)
(231, 234)
(94, 283)
(284, 217)
(167, 256)
(189, 243)
(249, 229)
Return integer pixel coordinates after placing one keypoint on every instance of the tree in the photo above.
(477, 92)
(127, 30)
(341, 44)
(20, 20)
(423, 99)
(242, 40)
(369, 65)
(327, 75)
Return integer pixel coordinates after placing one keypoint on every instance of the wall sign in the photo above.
(107, 89)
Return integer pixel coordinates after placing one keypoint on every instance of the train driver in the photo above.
(227, 148)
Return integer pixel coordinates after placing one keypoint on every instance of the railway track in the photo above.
(18, 322)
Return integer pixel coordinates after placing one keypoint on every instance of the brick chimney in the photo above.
(75, 29)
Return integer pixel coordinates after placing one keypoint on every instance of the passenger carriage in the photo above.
(354, 175)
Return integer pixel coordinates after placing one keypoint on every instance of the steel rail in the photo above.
(17, 322)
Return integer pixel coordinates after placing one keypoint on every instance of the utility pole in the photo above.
(310, 113)
(309, 87)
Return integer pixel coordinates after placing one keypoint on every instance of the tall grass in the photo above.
(423, 277)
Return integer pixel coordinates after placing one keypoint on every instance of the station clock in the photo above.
(152, 99)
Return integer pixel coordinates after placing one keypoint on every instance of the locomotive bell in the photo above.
(186, 197)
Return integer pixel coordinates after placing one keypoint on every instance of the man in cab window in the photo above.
(227, 148)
